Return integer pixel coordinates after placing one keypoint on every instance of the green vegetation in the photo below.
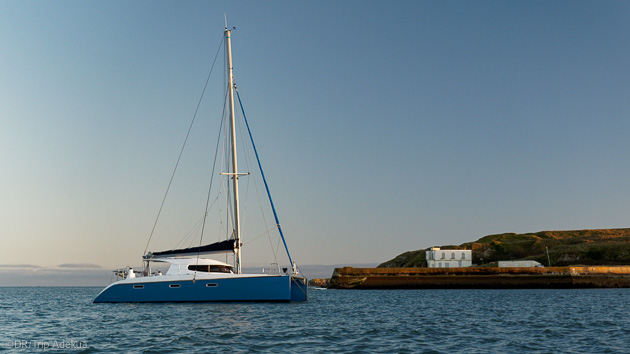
(580, 247)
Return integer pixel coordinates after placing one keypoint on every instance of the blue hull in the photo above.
(299, 289)
(266, 288)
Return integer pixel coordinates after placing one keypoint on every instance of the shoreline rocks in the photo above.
(481, 278)
(319, 283)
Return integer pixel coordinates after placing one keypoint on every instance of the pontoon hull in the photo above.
(160, 289)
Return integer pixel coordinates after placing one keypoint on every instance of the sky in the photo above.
(383, 126)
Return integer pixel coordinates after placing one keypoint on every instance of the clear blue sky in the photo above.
(385, 126)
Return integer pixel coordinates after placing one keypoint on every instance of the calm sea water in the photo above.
(502, 321)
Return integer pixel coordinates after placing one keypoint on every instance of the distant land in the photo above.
(312, 271)
(83, 274)
(577, 247)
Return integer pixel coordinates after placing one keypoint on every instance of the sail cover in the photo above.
(217, 247)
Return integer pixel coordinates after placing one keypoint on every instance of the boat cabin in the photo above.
(182, 266)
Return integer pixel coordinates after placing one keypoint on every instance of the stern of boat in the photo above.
(299, 288)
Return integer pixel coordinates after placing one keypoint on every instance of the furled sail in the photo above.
(217, 247)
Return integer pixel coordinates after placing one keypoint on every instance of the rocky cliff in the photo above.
(481, 278)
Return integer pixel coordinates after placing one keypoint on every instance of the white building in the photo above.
(525, 263)
(437, 258)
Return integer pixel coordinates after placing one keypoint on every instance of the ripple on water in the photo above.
(475, 321)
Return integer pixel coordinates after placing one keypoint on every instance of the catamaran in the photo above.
(191, 277)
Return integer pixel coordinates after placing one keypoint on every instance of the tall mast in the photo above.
(237, 219)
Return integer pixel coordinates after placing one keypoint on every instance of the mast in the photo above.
(237, 220)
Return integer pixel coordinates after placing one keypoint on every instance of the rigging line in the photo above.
(183, 146)
(228, 208)
(277, 245)
(225, 187)
(189, 238)
(190, 232)
(273, 208)
(261, 235)
(214, 165)
(230, 214)
(245, 198)
(262, 212)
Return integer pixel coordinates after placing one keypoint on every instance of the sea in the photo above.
(64, 319)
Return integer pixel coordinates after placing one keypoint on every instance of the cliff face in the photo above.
(481, 278)
(586, 247)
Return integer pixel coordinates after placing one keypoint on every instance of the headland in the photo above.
(597, 258)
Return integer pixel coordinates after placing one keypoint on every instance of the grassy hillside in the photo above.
(579, 247)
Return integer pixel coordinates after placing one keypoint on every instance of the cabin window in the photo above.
(209, 268)
(199, 268)
(138, 286)
(174, 285)
(212, 285)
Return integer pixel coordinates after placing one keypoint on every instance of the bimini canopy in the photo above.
(217, 247)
